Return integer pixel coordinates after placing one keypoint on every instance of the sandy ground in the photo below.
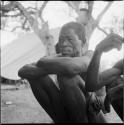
(24, 108)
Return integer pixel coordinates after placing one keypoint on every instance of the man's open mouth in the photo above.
(66, 51)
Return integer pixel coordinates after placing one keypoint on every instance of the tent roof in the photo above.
(16, 52)
(6, 37)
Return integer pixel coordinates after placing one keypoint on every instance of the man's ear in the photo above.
(57, 48)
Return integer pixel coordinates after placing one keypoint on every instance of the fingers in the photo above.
(117, 43)
(114, 41)
(117, 36)
(110, 42)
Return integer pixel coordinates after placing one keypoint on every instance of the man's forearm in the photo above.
(92, 78)
(96, 80)
(110, 42)
(48, 66)
(52, 65)
(55, 65)
(32, 71)
(64, 65)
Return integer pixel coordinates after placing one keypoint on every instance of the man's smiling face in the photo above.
(71, 39)
(70, 44)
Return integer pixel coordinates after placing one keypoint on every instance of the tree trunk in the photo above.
(46, 38)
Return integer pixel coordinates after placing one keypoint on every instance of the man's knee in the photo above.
(29, 72)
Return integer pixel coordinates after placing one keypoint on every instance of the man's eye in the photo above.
(70, 39)
(61, 40)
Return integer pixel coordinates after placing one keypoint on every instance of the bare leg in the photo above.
(48, 96)
(73, 98)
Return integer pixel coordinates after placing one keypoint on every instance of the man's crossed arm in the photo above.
(55, 65)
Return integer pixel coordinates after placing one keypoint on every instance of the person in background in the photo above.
(112, 78)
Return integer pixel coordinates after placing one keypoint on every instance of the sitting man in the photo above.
(112, 78)
(66, 102)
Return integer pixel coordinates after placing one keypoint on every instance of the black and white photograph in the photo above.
(62, 62)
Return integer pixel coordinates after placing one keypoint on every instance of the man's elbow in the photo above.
(25, 71)
(28, 71)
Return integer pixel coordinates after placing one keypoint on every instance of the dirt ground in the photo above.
(20, 106)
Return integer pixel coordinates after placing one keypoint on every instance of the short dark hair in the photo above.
(78, 29)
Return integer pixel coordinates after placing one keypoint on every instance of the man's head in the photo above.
(71, 39)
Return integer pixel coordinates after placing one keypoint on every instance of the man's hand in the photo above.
(110, 42)
(30, 71)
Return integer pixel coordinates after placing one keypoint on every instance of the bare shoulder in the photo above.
(86, 57)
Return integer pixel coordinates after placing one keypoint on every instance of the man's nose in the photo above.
(65, 43)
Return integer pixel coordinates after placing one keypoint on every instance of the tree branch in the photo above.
(15, 4)
(70, 4)
(15, 28)
(32, 12)
(102, 30)
(73, 4)
(8, 7)
(103, 12)
(24, 23)
(95, 23)
(16, 15)
(41, 10)
(30, 8)
(25, 13)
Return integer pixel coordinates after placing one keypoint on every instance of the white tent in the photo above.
(21, 51)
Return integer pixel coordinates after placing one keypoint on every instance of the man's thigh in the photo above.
(73, 98)
(48, 95)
